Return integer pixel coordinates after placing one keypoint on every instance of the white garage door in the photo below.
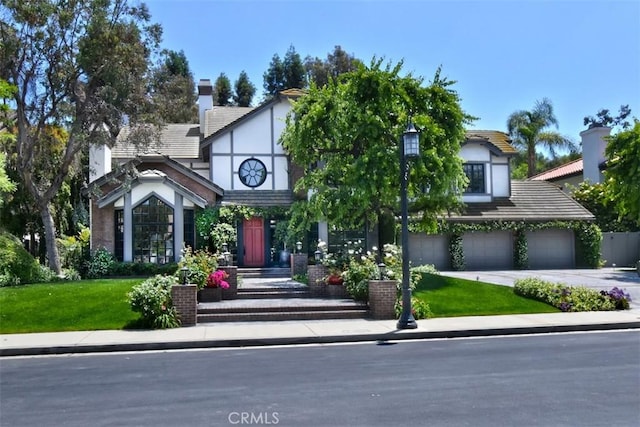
(488, 251)
(551, 249)
(429, 249)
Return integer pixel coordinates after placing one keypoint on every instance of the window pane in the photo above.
(153, 231)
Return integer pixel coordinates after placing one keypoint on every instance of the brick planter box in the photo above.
(210, 295)
(232, 291)
(316, 275)
(185, 303)
(382, 299)
(337, 291)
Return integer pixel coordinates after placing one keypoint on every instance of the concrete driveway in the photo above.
(601, 279)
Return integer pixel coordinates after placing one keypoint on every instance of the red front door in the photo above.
(253, 241)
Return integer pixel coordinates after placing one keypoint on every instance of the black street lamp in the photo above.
(408, 148)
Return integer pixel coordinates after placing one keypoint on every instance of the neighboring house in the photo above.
(234, 157)
(588, 168)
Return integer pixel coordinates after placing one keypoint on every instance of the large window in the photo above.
(189, 228)
(119, 237)
(475, 173)
(153, 232)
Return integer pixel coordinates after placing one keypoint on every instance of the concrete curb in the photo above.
(328, 339)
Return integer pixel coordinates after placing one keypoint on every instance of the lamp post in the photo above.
(382, 269)
(408, 148)
(298, 246)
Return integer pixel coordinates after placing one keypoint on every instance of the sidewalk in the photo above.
(242, 334)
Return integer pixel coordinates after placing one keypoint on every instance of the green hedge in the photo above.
(17, 266)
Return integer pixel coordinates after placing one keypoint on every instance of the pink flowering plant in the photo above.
(217, 280)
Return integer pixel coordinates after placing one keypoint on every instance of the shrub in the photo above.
(425, 269)
(357, 275)
(200, 265)
(152, 299)
(419, 309)
(101, 264)
(521, 252)
(16, 264)
(571, 298)
(456, 252)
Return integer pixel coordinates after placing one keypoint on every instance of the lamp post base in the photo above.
(409, 323)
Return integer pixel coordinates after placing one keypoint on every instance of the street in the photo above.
(586, 379)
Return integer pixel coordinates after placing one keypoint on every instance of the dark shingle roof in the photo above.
(179, 141)
(530, 201)
(258, 197)
(497, 139)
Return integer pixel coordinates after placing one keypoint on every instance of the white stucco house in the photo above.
(233, 156)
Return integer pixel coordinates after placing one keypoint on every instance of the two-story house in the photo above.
(233, 156)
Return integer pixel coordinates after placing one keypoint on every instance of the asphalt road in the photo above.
(586, 379)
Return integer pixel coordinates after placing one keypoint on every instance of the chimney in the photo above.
(594, 142)
(205, 100)
(99, 161)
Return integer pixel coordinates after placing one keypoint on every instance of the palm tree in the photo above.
(526, 129)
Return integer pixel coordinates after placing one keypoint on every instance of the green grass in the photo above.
(453, 297)
(68, 306)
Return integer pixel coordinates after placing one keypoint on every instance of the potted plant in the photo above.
(216, 282)
(283, 239)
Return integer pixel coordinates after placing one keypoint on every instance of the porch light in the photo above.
(227, 257)
(318, 255)
(382, 268)
(184, 275)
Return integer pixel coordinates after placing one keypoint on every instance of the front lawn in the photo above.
(453, 297)
(68, 306)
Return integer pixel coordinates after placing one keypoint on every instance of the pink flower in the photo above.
(216, 280)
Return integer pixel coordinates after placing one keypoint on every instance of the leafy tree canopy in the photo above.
(604, 118)
(81, 70)
(337, 62)
(623, 171)
(346, 137)
(596, 198)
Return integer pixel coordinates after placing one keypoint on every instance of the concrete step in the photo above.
(339, 305)
(283, 315)
(271, 293)
(265, 272)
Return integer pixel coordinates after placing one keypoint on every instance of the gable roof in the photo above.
(572, 168)
(222, 127)
(176, 140)
(498, 142)
(151, 176)
(220, 116)
(532, 201)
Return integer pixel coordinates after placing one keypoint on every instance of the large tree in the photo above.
(173, 89)
(80, 67)
(284, 74)
(337, 62)
(346, 137)
(527, 131)
(623, 171)
(243, 90)
(222, 90)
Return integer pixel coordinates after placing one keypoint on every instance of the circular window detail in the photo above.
(252, 173)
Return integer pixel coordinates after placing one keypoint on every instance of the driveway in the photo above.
(601, 279)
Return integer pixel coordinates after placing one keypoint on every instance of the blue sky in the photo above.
(504, 55)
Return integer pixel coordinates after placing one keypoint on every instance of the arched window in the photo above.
(153, 232)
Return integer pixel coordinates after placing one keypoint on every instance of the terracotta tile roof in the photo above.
(497, 139)
(572, 168)
(221, 116)
(293, 93)
(530, 201)
(177, 141)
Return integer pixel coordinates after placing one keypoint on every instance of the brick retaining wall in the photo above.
(382, 299)
(185, 302)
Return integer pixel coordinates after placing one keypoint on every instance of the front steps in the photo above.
(277, 299)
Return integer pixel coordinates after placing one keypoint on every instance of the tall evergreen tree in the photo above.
(173, 89)
(294, 72)
(274, 77)
(222, 90)
(244, 90)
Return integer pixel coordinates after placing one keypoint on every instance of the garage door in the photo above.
(551, 249)
(429, 249)
(488, 251)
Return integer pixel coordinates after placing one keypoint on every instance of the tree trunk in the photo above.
(50, 239)
(531, 160)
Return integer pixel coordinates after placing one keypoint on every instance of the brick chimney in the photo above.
(594, 142)
(205, 100)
